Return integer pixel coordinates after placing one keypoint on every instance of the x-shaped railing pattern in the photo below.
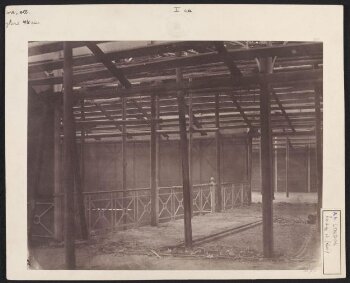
(233, 195)
(113, 210)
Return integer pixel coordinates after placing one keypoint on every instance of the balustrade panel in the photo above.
(114, 210)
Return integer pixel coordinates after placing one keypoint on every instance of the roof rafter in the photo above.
(282, 109)
(235, 75)
(138, 71)
(117, 73)
(287, 51)
(99, 106)
(108, 64)
(212, 57)
(144, 113)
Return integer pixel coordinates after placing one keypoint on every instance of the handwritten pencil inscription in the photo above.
(331, 241)
(19, 17)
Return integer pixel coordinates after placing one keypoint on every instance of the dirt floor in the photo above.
(147, 248)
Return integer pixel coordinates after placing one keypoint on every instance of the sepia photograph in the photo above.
(186, 154)
(174, 142)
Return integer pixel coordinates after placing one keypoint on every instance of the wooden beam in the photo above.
(235, 76)
(82, 144)
(283, 110)
(55, 46)
(79, 175)
(319, 151)
(227, 115)
(266, 160)
(185, 166)
(100, 107)
(256, 146)
(287, 167)
(308, 169)
(90, 122)
(291, 50)
(153, 165)
(115, 123)
(194, 119)
(108, 64)
(154, 49)
(204, 82)
(158, 141)
(144, 113)
(207, 122)
(241, 111)
(303, 127)
(168, 128)
(275, 171)
(38, 154)
(260, 163)
(58, 199)
(124, 164)
(202, 107)
(38, 164)
(190, 145)
(116, 72)
(79, 189)
(290, 144)
(249, 165)
(224, 56)
(68, 161)
(218, 154)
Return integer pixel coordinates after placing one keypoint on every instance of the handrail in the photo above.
(161, 188)
(201, 185)
(116, 191)
(234, 183)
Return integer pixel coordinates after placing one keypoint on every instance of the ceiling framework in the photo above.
(104, 73)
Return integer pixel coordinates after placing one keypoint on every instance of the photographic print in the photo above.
(160, 151)
(184, 154)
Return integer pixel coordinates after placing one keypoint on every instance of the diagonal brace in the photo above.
(283, 110)
(224, 56)
(145, 115)
(117, 73)
(241, 111)
(108, 64)
(99, 106)
(194, 119)
(235, 74)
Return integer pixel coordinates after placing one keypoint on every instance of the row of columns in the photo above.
(266, 155)
(287, 161)
(266, 159)
(287, 168)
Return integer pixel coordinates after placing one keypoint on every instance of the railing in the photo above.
(171, 201)
(116, 210)
(42, 218)
(234, 194)
(202, 198)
